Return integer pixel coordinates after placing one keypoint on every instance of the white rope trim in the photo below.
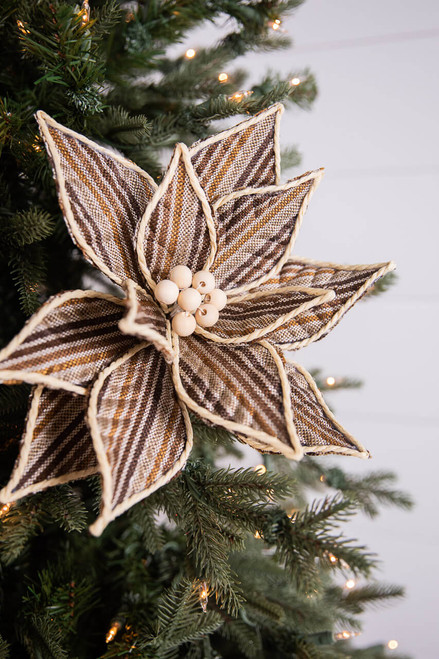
(6, 494)
(321, 295)
(180, 152)
(316, 177)
(359, 451)
(65, 204)
(242, 429)
(53, 302)
(107, 512)
(128, 324)
(386, 267)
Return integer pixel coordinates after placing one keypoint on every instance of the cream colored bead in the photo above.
(189, 300)
(203, 281)
(182, 276)
(217, 297)
(166, 291)
(206, 315)
(184, 323)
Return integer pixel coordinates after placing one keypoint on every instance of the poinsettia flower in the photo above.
(113, 380)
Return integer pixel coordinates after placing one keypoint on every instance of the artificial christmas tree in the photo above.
(240, 567)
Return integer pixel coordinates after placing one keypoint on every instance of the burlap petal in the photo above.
(318, 430)
(243, 388)
(177, 228)
(102, 195)
(264, 313)
(257, 229)
(56, 446)
(246, 155)
(146, 320)
(141, 432)
(349, 282)
(66, 342)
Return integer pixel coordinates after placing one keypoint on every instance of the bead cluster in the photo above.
(195, 294)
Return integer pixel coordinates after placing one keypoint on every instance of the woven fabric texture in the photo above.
(249, 313)
(245, 159)
(71, 342)
(237, 383)
(140, 423)
(59, 442)
(318, 321)
(107, 200)
(176, 233)
(314, 423)
(254, 230)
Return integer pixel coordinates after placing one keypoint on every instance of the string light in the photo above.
(257, 535)
(116, 626)
(332, 559)
(350, 583)
(238, 96)
(322, 478)
(392, 645)
(275, 25)
(344, 635)
(21, 26)
(330, 381)
(223, 77)
(190, 53)
(5, 509)
(295, 81)
(85, 12)
(260, 469)
(204, 596)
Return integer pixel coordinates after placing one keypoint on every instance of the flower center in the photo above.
(196, 296)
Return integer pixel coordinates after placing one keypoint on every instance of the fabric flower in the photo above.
(113, 381)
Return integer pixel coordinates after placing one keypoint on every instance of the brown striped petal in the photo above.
(264, 313)
(141, 432)
(246, 155)
(177, 228)
(66, 342)
(146, 320)
(56, 446)
(349, 283)
(243, 388)
(102, 195)
(257, 229)
(317, 429)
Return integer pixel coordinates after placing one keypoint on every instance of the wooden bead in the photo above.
(182, 276)
(166, 291)
(183, 323)
(217, 297)
(206, 315)
(189, 300)
(203, 281)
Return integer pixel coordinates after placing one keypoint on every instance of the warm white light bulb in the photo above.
(190, 53)
(350, 583)
(392, 645)
(330, 381)
(223, 77)
(260, 469)
(295, 82)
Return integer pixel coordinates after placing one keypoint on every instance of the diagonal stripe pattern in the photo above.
(236, 383)
(70, 339)
(176, 233)
(254, 315)
(246, 158)
(107, 200)
(315, 425)
(140, 424)
(345, 281)
(254, 230)
(57, 443)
